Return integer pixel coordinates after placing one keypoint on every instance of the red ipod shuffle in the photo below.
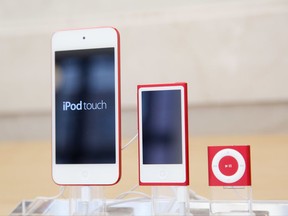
(229, 165)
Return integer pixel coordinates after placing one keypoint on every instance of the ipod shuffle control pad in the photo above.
(229, 165)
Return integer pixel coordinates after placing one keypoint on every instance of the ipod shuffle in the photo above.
(229, 165)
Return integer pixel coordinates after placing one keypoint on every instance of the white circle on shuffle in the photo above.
(241, 165)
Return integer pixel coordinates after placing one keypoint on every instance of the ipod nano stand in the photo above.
(87, 200)
(231, 200)
(170, 200)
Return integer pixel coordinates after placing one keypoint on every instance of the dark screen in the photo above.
(161, 127)
(85, 106)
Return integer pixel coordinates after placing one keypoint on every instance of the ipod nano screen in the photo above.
(85, 106)
(161, 127)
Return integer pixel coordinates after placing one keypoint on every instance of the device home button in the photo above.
(85, 174)
(162, 174)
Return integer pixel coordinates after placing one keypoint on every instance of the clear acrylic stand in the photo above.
(170, 201)
(77, 201)
(72, 201)
(87, 200)
(231, 200)
(59, 206)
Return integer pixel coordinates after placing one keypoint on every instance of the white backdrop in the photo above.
(228, 51)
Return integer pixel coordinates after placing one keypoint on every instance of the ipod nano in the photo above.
(229, 165)
(163, 134)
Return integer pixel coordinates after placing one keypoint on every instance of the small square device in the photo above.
(229, 165)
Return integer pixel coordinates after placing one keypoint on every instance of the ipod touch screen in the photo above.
(85, 106)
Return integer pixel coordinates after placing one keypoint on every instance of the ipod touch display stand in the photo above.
(71, 200)
(230, 180)
(87, 200)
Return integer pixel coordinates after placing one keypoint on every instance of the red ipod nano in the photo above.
(163, 134)
(229, 165)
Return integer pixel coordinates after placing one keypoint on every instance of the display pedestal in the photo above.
(231, 200)
(87, 200)
(138, 207)
(170, 201)
(76, 201)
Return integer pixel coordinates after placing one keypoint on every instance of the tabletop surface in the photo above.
(26, 169)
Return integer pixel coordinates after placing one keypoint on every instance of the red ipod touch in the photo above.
(86, 107)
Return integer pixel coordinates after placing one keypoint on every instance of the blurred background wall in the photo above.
(233, 54)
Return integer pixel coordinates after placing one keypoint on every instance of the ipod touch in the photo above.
(163, 134)
(229, 165)
(86, 127)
